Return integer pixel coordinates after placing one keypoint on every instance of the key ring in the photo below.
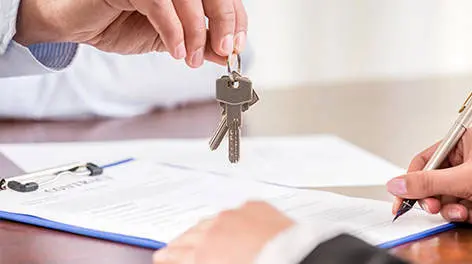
(231, 73)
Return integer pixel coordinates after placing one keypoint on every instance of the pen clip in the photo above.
(465, 103)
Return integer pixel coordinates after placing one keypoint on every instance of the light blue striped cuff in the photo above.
(55, 56)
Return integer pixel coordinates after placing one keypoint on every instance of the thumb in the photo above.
(455, 181)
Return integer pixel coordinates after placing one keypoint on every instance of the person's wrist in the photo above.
(35, 25)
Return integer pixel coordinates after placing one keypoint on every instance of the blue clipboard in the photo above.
(417, 236)
(152, 244)
(41, 222)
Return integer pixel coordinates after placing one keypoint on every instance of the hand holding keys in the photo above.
(235, 95)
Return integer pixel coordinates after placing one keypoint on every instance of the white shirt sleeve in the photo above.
(8, 13)
(108, 85)
(17, 60)
(294, 244)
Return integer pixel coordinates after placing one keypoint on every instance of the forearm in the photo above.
(20, 60)
(309, 244)
(345, 248)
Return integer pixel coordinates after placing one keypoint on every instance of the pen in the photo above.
(445, 147)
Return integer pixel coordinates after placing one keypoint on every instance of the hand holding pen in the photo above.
(440, 178)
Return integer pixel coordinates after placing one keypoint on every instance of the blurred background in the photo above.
(388, 76)
(336, 41)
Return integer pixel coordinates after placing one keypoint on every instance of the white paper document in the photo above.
(156, 202)
(303, 161)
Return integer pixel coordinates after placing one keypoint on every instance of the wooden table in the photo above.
(393, 119)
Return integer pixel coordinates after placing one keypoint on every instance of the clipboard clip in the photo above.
(33, 180)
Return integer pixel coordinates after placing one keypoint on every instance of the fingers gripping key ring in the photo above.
(231, 72)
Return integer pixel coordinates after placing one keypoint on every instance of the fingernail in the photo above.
(240, 42)
(397, 186)
(197, 58)
(424, 206)
(227, 44)
(455, 215)
(180, 51)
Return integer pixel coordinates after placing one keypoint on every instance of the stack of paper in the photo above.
(147, 204)
(312, 161)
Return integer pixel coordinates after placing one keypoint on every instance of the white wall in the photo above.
(311, 41)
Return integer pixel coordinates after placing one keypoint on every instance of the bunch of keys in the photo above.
(235, 95)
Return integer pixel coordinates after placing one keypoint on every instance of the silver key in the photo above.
(222, 127)
(234, 92)
(219, 134)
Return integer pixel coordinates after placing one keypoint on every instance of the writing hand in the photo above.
(447, 190)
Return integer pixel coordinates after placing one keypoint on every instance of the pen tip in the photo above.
(400, 212)
(395, 218)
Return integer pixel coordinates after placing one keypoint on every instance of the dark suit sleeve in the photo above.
(346, 249)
